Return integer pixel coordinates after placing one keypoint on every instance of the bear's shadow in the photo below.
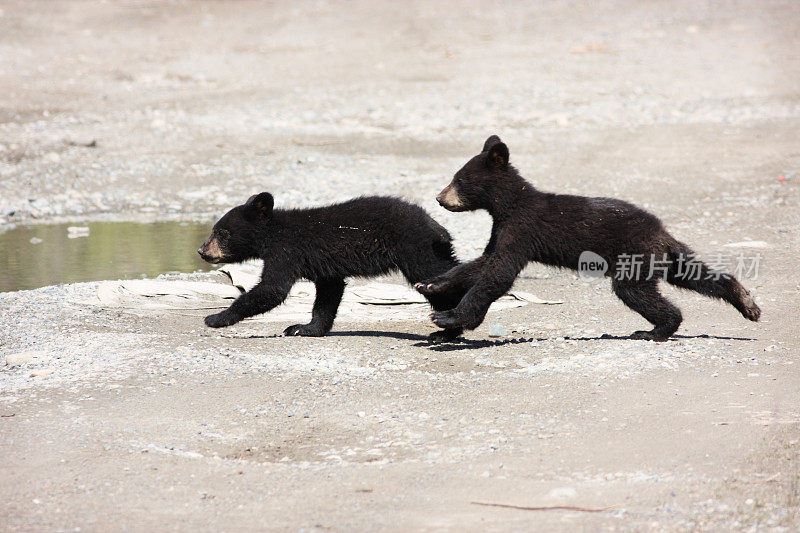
(423, 341)
(476, 344)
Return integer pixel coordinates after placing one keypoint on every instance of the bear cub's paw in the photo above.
(221, 320)
(446, 319)
(303, 330)
(429, 288)
(653, 335)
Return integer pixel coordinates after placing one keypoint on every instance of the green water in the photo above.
(111, 250)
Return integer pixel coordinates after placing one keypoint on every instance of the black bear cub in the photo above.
(362, 237)
(555, 229)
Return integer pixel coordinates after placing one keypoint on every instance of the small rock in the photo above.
(559, 118)
(74, 232)
(52, 157)
(497, 330)
(86, 142)
(562, 493)
(35, 240)
(23, 357)
(42, 372)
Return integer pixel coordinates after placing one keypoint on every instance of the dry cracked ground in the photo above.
(143, 111)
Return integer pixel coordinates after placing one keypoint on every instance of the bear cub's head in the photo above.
(471, 186)
(234, 237)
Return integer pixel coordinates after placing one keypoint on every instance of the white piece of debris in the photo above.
(162, 294)
(371, 302)
(386, 294)
(73, 232)
(243, 275)
(532, 298)
(247, 275)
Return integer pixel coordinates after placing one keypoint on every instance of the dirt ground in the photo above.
(139, 110)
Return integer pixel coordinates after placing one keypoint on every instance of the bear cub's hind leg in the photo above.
(326, 303)
(644, 298)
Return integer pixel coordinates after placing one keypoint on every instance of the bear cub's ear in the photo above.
(497, 157)
(491, 141)
(262, 203)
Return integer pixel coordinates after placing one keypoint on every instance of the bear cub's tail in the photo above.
(688, 272)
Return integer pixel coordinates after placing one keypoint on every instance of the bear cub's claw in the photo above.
(428, 288)
(220, 320)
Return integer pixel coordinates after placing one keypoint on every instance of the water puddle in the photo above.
(35, 256)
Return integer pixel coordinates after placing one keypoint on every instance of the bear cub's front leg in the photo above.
(260, 299)
(326, 303)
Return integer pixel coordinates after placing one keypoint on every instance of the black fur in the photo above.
(362, 237)
(554, 229)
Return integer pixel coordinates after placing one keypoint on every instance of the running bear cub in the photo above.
(362, 237)
(554, 229)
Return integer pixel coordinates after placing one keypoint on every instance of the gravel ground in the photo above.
(121, 419)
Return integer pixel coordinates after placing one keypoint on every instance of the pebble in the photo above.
(23, 357)
(497, 330)
(562, 493)
(42, 372)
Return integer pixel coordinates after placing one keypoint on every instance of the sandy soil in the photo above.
(147, 421)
